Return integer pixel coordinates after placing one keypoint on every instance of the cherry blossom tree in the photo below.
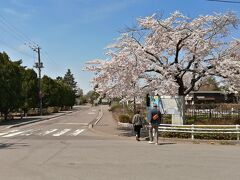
(230, 67)
(171, 56)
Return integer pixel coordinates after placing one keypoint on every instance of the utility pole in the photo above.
(39, 66)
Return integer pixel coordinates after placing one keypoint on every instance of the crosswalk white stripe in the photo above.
(76, 132)
(1, 134)
(26, 132)
(48, 132)
(85, 124)
(13, 134)
(61, 132)
(29, 132)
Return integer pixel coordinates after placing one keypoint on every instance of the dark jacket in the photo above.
(153, 112)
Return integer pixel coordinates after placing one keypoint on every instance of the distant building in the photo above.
(209, 97)
(105, 101)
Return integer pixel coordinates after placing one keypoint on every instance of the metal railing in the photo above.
(201, 129)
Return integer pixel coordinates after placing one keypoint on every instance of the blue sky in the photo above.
(72, 32)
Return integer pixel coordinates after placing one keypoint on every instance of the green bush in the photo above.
(167, 119)
(124, 118)
(52, 110)
(199, 136)
(175, 135)
(115, 106)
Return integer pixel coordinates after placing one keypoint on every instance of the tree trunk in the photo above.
(24, 112)
(181, 88)
(134, 105)
(181, 91)
(5, 115)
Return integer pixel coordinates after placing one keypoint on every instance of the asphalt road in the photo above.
(35, 154)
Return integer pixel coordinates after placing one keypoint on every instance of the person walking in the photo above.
(154, 119)
(138, 122)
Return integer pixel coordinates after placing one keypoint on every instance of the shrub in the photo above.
(124, 118)
(52, 110)
(204, 136)
(166, 119)
(115, 106)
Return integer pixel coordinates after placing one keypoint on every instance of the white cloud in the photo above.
(103, 10)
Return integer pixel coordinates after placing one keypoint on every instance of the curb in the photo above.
(105, 134)
(98, 118)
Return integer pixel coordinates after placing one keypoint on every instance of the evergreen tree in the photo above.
(30, 94)
(69, 80)
(10, 84)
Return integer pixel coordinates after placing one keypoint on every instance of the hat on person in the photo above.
(154, 105)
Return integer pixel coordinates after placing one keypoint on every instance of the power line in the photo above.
(16, 37)
(23, 38)
(47, 56)
(17, 33)
(14, 48)
(225, 1)
(20, 36)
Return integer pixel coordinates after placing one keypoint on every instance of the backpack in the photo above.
(138, 119)
(155, 117)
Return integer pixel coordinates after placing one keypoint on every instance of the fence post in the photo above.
(237, 129)
(192, 130)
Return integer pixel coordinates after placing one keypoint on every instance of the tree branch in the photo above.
(178, 48)
(153, 70)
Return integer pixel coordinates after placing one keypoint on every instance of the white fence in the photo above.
(201, 129)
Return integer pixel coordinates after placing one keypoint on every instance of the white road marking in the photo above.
(61, 132)
(91, 113)
(13, 134)
(48, 132)
(25, 133)
(76, 132)
(85, 124)
(1, 134)
(29, 132)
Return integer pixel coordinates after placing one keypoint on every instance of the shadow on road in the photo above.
(12, 145)
(17, 121)
(166, 143)
(128, 132)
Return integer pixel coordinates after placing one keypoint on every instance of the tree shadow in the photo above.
(17, 121)
(12, 145)
(166, 143)
(128, 132)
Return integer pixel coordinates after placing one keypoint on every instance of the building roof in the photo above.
(208, 92)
